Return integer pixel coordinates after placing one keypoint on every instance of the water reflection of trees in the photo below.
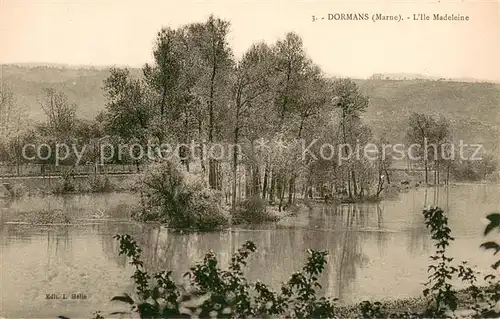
(418, 234)
(418, 240)
(11, 233)
(106, 230)
(59, 245)
(346, 231)
(280, 251)
(346, 254)
(6, 203)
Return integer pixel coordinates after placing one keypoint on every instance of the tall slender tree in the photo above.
(351, 104)
(215, 63)
(252, 92)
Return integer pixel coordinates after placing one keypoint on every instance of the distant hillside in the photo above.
(417, 76)
(473, 108)
(83, 86)
(402, 76)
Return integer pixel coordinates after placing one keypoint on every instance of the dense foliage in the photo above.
(179, 199)
(273, 103)
(251, 211)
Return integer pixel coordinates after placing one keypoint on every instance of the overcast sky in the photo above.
(123, 32)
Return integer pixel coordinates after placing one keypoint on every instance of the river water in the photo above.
(376, 251)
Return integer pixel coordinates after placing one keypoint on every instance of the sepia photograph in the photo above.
(249, 159)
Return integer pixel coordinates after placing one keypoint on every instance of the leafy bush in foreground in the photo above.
(18, 190)
(443, 299)
(65, 185)
(100, 184)
(213, 292)
(491, 294)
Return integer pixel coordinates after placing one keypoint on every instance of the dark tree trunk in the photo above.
(235, 166)
(255, 179)
(248, 182)
(387, 176)
(273, 186)
(279, 186)
(212, 170)
(426, 172)
(349, 191)
(448, 175)
(265, 182)
(290, 190)
(202, 146)
(354, 183)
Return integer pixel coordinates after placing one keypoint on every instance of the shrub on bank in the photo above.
(18, 190)
(100, 184)
(65, 185)
(474, 170)
(252, 211)
(181, 200)
(205, 212)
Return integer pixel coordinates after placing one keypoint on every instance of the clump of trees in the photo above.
(424, 130)
(13, 127)
(440, 155)
(474, 170)
(270, 102)
(61, 126)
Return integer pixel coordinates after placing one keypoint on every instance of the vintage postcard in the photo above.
(249, 159)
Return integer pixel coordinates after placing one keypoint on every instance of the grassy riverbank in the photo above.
(415, 305)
